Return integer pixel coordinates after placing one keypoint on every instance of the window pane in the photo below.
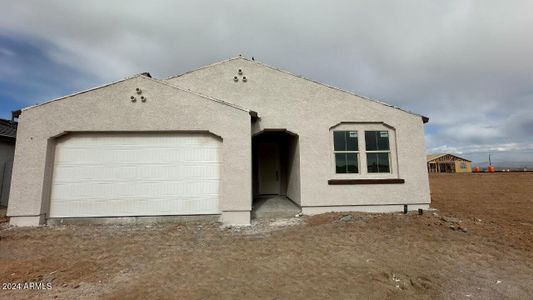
(351, 141)
(372, 162)
(371, 140)
(339, 140)
(383, 163)
(377, 140)
(352, 163)
(383, 140)
(378, 162)
(340, 162)
(346, 163)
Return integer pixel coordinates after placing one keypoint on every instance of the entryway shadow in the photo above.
(274, 206)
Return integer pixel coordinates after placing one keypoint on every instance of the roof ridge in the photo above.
(424, 118)
(430, 157)
(201, 95)
(81, 92)
(207, 66)
(147, 76)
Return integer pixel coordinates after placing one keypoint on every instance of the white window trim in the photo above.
(360, 128)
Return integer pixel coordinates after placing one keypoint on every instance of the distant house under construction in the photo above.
(448, 163)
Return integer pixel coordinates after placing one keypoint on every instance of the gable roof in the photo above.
(147, 76)
(424, 118)
(8, 129)
(431, 157)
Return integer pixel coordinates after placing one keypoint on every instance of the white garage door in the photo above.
(102, 175)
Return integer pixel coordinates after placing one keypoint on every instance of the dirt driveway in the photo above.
(476, 246)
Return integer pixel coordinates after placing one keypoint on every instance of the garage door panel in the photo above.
(91, 155)
(136, 206)
(189, 188)
(105, 174)
(136, 139)
(136, 175)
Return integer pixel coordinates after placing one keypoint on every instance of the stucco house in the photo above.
(8, 133)
(208, 142)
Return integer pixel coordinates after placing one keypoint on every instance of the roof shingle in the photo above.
(8, 129)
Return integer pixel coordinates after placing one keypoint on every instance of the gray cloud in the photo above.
(465, 64)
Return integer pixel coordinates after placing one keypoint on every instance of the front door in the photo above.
(269, 173)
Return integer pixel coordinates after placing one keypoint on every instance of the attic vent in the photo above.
(240, 71)
(235, 78)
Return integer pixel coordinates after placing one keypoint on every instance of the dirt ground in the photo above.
(476, 245)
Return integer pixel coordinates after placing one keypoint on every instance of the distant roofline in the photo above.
(424, 118)
(430, 157)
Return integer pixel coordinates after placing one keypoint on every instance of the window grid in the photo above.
(355, 152)
(378, 151)
(377, 160)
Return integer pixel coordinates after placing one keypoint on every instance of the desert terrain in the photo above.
(476, 244)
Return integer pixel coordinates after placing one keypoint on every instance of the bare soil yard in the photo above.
(477, 245)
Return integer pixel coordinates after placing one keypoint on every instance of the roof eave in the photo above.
(15, 114)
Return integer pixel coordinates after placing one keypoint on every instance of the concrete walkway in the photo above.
(274, 206)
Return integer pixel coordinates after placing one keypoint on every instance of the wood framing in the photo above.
(448, 163)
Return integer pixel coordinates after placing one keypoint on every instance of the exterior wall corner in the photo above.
(235, 217)
(27, 221)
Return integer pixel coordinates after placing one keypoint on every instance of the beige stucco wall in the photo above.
(7, 153)
(310, 109)
(109, 109)
(293, 180)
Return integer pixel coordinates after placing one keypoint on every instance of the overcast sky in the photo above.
(467, 65)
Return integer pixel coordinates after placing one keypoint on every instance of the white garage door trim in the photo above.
(135, 174)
